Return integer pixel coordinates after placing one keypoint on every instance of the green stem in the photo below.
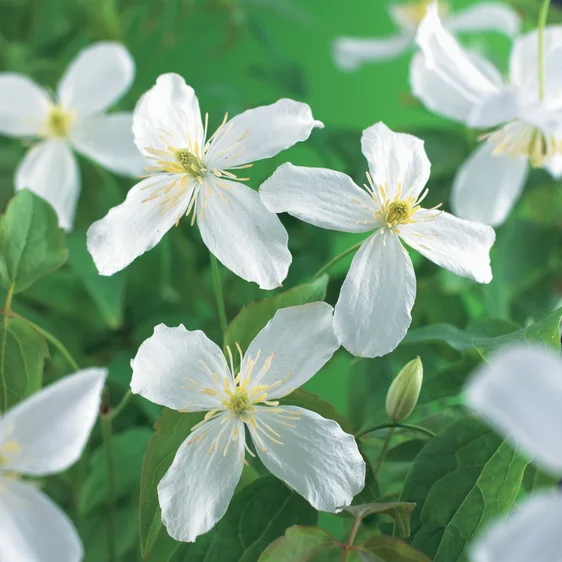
(8, 304)
(543, 15)
(382, 456)
(7, 312)
(53, 340)
(218, 293)
(335, 260)
(411, 427)
(349, 544)
(107, 432)
(120, 407)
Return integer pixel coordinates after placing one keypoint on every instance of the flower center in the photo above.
(239, 402)
(522, 139)
(416, 11)
(58, 123)
(190, 163)
(8, 448)
(398, 212)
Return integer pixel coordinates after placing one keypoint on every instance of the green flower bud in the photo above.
(404, 391)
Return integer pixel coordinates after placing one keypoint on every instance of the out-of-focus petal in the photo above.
(174, 368)
(487, 16)
(487, 186)
(23, 105)
(108, 140)
(137, 225)
(352, 52)
(320, 197)
(50, 170)
(373, 312)
(311, 454)
(243, 235)
(458, 245)
(97, 78)
(195, 492)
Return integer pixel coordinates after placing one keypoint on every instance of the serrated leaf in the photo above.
(300, 544)
(461, 480)
(390, 549)
(257, 515)
(128, 449)
(399, 511)
(30, 241)
(22, 356)
(253, 317)
(546, 332)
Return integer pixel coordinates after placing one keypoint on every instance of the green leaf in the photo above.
(108, 293)
(253, 317)
(441, 333)
(22, 356)
(172, 428)
(300, 544)
(128, 449)
(399, 511)
(546, 332)
(30, 241)
(391, 549)
(461, 480)
(257, 515)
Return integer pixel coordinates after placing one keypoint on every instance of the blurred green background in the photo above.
(239, 54)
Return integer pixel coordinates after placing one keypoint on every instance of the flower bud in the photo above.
(404, 391)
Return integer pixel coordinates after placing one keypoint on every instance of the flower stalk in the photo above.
(335, 260)
(218, 294)
(543, 15)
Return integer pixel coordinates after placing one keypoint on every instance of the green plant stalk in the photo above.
(543, 16)
(107, 432)
(218, 294)
(349, 544)
(382, 456)
(121, 406)
(7, 311)
(335, 260)
(411, 427)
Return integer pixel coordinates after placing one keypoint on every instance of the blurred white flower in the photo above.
(525, 129)
(373, 311)
(43, 435)
(96, 79)
(186, 371)
(351, 52)
(520, 394)
(191, 176)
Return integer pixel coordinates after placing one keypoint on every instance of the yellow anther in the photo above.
(416, 11)
(58, 123)
(190, 163)
(239, 402)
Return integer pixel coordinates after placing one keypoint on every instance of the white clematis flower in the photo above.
(186, 371)
(43, 435)
(520, 393)
(193, 174)
(373, 311)
(96, 79)
(524, 130)
(351, 52)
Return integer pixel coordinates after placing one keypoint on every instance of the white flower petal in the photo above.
(195, 492)
(108, 140)
(49, 429)
(316, 458)
(487, 186)
(397, 161)
(351, 52)
(524, 62)
(501, 107)
(23, 105)
(487, 16)
(50, 170)
(296, 343)
(97, 78)
(243, 235)
(554, 166)
(168, 115)
(136, 226)
(519, 393)
(530, 532)
(460, 246)
(34, 528)
(261, 133)
(320, 197)
(454, 65)
(174, 366)
(373, 312)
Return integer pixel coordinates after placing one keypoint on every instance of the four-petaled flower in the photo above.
(185, 371)
(193, 174)
(351, 52)
(372, 314)
(524, 118)
(43, 435)
(520, 393)
(97, 78)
